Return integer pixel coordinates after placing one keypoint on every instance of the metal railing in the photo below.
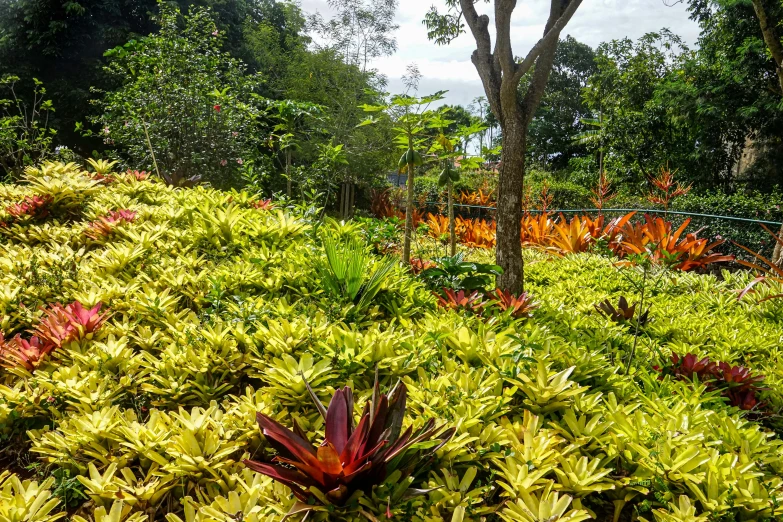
(744, 231)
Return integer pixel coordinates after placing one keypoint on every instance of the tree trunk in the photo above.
(509, 208)
(347, 195)
(452, 224)
(769, 31)
(406, 249)
(288, 187)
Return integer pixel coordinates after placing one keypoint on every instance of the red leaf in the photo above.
(337, 422)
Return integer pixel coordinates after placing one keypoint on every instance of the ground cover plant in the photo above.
(149, 330)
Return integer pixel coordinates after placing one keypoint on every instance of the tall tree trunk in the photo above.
(769, 30)
(509, 208)
(406, 248)
(452, 224)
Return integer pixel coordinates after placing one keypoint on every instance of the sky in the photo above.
(449, 67)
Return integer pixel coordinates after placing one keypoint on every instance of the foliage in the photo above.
(766, 269)
(456, 273)
(734, 382)
(219, 312)
(25, 133)
(351, 458)
(350, 274)
(182, 107)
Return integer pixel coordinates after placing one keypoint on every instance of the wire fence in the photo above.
(744, 231)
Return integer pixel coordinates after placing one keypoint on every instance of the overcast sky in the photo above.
(449, 67)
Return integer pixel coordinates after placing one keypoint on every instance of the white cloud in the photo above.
(449, 67)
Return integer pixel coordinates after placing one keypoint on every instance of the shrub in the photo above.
(25, 135)
(178, 92)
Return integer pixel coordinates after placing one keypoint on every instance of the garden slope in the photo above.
(217, 311)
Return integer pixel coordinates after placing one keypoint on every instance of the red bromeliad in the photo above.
(104, 225)
(459, 300)
(19, 352)
(61, 325)
(420, 265)
(32, 206)
(735, 382)
(350, 459)
(516, 306)
(263, 204)
(137, 175)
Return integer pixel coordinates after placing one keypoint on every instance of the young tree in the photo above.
(361, 29)
(25, 135)
(292, 122)
(501, 74)
(450, 146)
(411, 117)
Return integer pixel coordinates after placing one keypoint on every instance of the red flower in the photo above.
(217, 108)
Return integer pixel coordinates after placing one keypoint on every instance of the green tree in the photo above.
(640, 128)
(63, 44)
(341, 88)
(360, 30)
(411, 117)
(501, 74)
(741, 47)
(563, 109)
(183, 106)
(294, 120)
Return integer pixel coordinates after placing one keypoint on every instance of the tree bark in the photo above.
(351, 201)
(406, 248)
(509, 208)
(772, 39)
(777, 254)
(500, 75)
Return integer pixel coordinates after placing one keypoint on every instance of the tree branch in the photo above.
(486, 64)
(552, 32)
(558, 17)
(770, 38)
(503, 51)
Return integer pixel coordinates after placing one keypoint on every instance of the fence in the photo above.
(744, 231)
